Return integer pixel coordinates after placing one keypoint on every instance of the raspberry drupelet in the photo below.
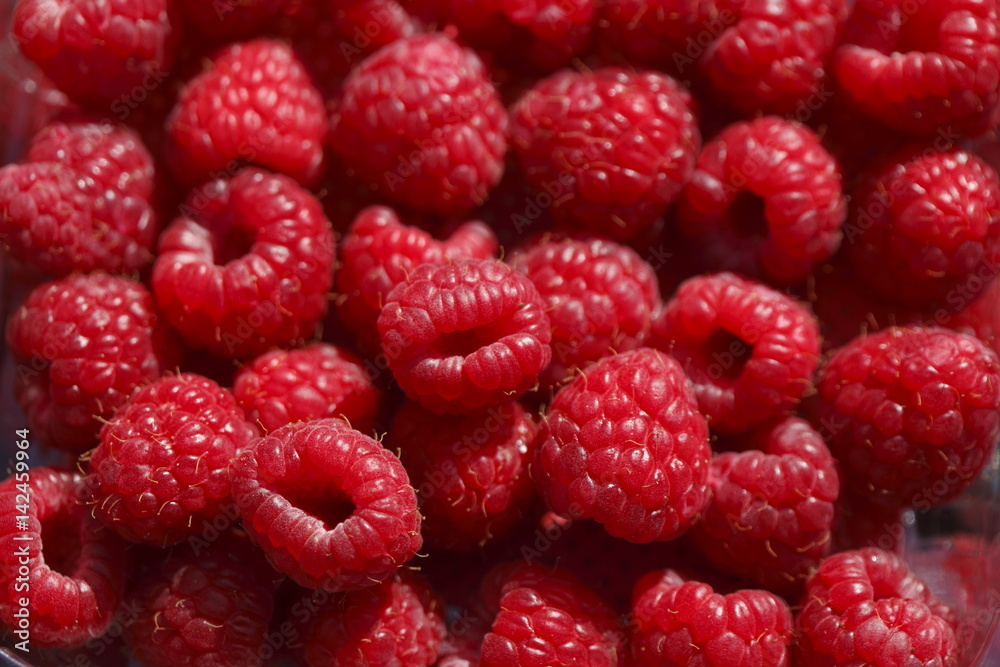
(624, 444)
(85, 342)
(678, 622)
(420, 120)
(75, 569)
(470, 471)
(601, 297)
(161, 471)
(866, 607)
(254, 104)
(765, 199)
(910, 413)
(247, 266)
(81, 200)
(750, 350)
(923, 223)
(380, 251)
(321, 380)
(772, 509)
(464, 335)
(330, 506)
(615, 147)
(399, 621)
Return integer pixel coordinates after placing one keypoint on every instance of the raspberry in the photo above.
(76, 570)
(81, 201)
(465, 335)
(254, 104)
(97, 51)
(246, 266)
(420, 120)
(922, 67)
(765, 198)
(911, 413)
(678, 622)
(771, 511)
(471, 475)
(202, 605)
(923, 223)
(866, 607)
(84, 342)
(356, 21)
(230, 19)
(749, 350)
(661, 34)
(624, 444)
(379, 252)
(542, 36)
(161, 471)
(331, 507)
(611, 148)
(548, 619)
(600, 297)
(397, 622)
(282, 387)
(979, 315)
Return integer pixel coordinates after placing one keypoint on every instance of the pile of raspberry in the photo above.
(460, 333)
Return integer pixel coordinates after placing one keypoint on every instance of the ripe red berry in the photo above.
(84, 343)
(750, 350)
(285, 386)
(624, 444)
(331, 507)
(678, 622)
(247, 266)
(437, 141)
(611, 148)
(161, 470)
(254, 104)
(464, 335)
(910, 413)
(866, 607)
(765, 199)
(74, 570)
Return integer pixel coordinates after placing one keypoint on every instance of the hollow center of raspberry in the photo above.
(722, 356)
(746, 216)
(463, 343)
(329, 504)
(230, 242)
(61, 546)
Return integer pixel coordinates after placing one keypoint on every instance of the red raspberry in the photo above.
(84, 343)
(230, 19)
(322, 380)
(749, 350)
(922, 223)
(771, 511)
(436, 141)
(765, 198)
(162, 468)
(662, 34)
(922, 67)
(625, 445)
(331, 507)
(678, 622)
(542, 35)
(367, 25)
(97, 51)
(471, 475)
(600, 297)
(81, 201)
(379, 252)
(464, 335)
(247, 265)
(979, 315)
(866, 607)
(76, 570)
(910, 413)
(612, 148)
(254, 104)
(397, 622)
(202, 605)
(546, 618)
